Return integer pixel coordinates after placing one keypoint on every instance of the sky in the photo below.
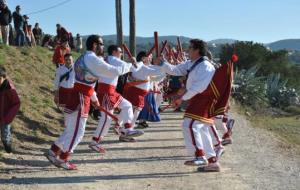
(253, 20)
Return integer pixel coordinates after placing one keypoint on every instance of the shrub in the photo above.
(249, 88)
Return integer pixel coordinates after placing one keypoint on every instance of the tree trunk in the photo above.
(122, 79)
(120, 40)
(132, 27)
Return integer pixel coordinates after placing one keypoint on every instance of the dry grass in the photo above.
(285, 127)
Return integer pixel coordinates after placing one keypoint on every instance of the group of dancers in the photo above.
(205, 92)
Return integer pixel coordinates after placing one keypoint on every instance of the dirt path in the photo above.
(256, 160)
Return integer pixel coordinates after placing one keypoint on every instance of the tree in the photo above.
(132, 34)
(119, 22)
(269, 62)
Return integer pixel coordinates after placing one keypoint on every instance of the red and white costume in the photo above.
(197, 121)
(88, 69)
(64, 83)
(157, 83)
(136, 90)
(109, 98)
(208, 92)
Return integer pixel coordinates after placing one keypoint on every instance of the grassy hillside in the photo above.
(32, 72)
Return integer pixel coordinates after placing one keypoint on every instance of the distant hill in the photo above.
(172, 39)
(222, 41)
(289, 44)
(147, 40)
(145, 43)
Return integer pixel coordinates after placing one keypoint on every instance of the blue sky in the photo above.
(255, 20)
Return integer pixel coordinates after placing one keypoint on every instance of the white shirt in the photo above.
(114, 61)
(99, 68)
(155, 80)
(198, 79)
(60, 71)
(143, 72)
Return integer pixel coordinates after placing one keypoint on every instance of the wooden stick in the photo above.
(167, 107)
(150, 51)
(156, 43)
(179, 45)
(129, 55)
(164, 45)
(167, 50)
(108, 113)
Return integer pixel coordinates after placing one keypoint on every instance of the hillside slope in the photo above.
(288, 44)
(32, 72)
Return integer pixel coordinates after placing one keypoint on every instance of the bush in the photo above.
(249, 89)
(278, 94)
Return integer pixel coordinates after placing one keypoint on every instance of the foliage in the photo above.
(248, 88)
(254, 54)
(253, 90)
(279, 95)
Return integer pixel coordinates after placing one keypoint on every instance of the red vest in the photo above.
(80, 98)
(214, 100)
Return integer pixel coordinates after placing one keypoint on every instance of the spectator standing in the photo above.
(37, 33)
(5, 20)
(9, 107)
(19, 24)
(59, 53)
(78, 43)
(61, 33)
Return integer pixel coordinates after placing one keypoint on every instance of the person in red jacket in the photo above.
(59, 53)
(9, 106)
(62, 33)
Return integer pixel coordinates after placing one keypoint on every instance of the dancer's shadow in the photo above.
(132, 160)
(89, 179)
(82, 151)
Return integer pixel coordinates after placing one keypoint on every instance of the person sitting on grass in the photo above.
(9, 107)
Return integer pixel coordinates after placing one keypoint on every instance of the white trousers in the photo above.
(73, 133)
(158, 99)
(197, 138)
(5, 34)
(216, 140)
(220, 125)
(125, 116)
(136, 114)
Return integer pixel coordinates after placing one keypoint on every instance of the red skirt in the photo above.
(64, 95)
(108, 96)
(80, 99)
(135, 96)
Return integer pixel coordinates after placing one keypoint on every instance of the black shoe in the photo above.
(178, 109)
(96, 115)
(159, 109)
(229, 125)
(7, 147)
(142, 125)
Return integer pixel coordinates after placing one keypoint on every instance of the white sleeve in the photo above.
(94, 97)
(102, 69)
(56, 79)
(139, 67)
(178, 70)
(158, 78)
(153, 70)
(200, 80)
